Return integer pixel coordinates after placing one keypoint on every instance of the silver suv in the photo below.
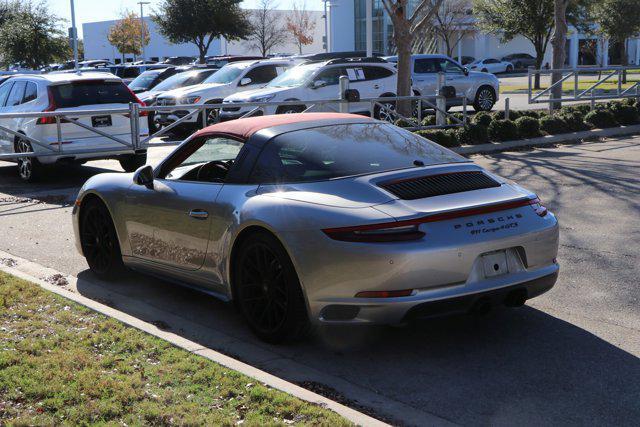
(480, 89)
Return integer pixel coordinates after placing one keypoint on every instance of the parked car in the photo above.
(130, 72)
(491, 65)
(480, 89)
(232, 78)
(222, 60)
(187, 77)
(467, 60)
(322, 218)
(68, 93)
(520, 60)
(95, 63)
(147, 80)
(371, 77)
(179, 60)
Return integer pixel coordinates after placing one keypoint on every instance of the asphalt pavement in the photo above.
(569, 357)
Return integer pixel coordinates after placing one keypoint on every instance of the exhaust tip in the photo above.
(516, 298)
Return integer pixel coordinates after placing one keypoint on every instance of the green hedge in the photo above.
(446, 138)
(528, 127)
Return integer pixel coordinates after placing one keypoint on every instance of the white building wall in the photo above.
(342, 35)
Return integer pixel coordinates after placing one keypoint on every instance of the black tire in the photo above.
(290, 109)
(519, 65)
(509, 69)
(99, 241)
(132, 162)
(29, 168)
(153, 125)
(268, 291)
(485, 99)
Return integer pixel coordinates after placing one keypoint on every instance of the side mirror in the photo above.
(318, 84)
(245, 81)
(143, 176)
(466, 71)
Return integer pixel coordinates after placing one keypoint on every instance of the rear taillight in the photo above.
(540, 210)
(52, 107)
(138, 101)
(376, 233)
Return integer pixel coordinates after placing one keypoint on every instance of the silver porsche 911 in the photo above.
(315, 218)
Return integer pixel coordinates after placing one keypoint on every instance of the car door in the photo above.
(455, 76)
(258, 77)
(6, 138)
(425, 77)
(169, 222)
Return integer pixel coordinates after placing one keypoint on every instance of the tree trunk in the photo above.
(203, 54)
(536, 79)
(558, 41)
(623, 59)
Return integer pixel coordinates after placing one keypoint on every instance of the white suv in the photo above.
(232, 78)
(311, 81)
(480, 89)
(68, 93)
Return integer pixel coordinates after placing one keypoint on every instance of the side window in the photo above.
(15, 97)
(130, 72)
(375, 73)
(426, 65)
(4, 92)
(262, 75)
(491, 61)
(331, 76)
(208, 160)
(30, 93)
(451, 67)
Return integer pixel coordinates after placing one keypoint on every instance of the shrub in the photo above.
(625, 114)
(502, 130)
(530, 113)
(472, 134)
(553, 125)
(574, 121)
(528, 127)
(446, 138)
(513, 115)
(459, 116)
(429, 120)
(483, 118)
(404, 123)
(601, 119)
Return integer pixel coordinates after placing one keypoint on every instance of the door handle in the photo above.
(199, 214)
(376, 86)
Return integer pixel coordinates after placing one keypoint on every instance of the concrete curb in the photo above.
(547, 140)
(36, 273)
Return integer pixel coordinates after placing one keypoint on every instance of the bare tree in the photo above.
(405, 27)
(301, 25)
(267, 28)
(451, 23)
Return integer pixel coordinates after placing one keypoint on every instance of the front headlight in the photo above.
(190, 100)
(265, 98)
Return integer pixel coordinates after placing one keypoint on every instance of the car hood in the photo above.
(256, 93)
(191, 90)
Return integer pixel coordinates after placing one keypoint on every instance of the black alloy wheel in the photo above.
(99, 241)
(268, 290)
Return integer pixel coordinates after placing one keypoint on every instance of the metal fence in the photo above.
(142, 141)
(586, 84)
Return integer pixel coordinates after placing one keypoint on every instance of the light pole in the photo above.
(74, 36)
(142, 3)
(326, 35)
(369, 27)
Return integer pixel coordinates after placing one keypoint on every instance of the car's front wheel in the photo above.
(485, 99)
(268, 291)
(290, 109)
(509, 69)
(99, 241)
(131, 162)
(29, 168)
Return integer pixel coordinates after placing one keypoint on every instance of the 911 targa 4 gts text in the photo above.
(317, 218)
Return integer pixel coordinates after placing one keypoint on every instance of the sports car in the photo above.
(322, 218)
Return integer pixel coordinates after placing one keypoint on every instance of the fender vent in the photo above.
(438, 185)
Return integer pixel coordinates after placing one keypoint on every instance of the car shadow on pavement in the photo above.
(515, 365)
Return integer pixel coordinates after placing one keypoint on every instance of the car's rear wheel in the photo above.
(99, 241)
(29, 168)
(132, 162)
(485, 99)
(268, 291)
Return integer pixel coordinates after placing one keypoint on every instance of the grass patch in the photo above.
(61, 363)
(568, 86)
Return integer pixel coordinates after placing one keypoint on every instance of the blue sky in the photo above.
(103, 10)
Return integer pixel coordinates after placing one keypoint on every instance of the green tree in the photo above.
(531, 19)
(617, 20)
(124, 35)
(30, 35)
(202, 21)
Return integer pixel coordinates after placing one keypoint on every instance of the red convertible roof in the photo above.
(244, 128)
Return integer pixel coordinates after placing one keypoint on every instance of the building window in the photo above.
(382, 26)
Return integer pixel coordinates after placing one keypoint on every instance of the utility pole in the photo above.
(326, 30)
(74, 36)
(142, 3)
(369, 27)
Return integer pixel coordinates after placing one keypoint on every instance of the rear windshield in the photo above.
(145, 80)
(183, 79)
(338, 151)
(81, 93)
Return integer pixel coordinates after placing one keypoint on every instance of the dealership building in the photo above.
(347, 23)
